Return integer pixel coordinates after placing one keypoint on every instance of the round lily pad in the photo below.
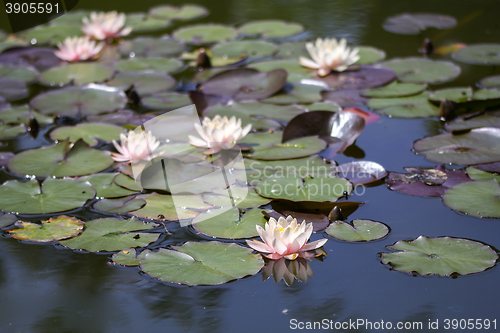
(421, 70)
(73, 101)
(395, 89)
(344, 97)
(78, 74)
(151, 47)
(479, 198)
(413, 24)
(7, 131)
(490, 82)
(162, 65)
(205, 33)
(88, 132)
(440, 255)
(296, 72)
(244, 48)
(166, 101)
(119, 206)
(25, 74)
(58, 228)
(459, 124)
(7, 219)
(457, 95)
(359, 231)
(144, 82)
(292, 50)
(361, 172)
(296, 92)
(127, 182)
(12, 90)
(227, 223)
(52, 196)
(208, 263)
(480, 145)
(365, 77)
(271, 28)
(185, 12)
(105, 186)
(73, 17)
(129, 257)
(323, 106)
(61, 161)
(167, 207)
(140, 22)
(484, 94)
(417, 106)
(279, 112)
(478, 174)
(121, 117)
(22, 115)
(369, 55)
(51, 35)
(112, 234)
(242, 197)
(479, 54)
(39, 57)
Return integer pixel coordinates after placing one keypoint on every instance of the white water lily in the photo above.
(329, 55)
(286, 238)
(135, 147)
(78, 49)
(105, 25)
(219, 133)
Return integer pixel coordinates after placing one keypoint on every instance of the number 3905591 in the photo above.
(31, 8)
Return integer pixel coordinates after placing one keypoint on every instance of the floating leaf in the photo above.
(477, 198)
(297, 93)
(361, 172)
(484, 94)
(121, 117)
(242, 197)
(22, 115)
(105, 186)
(78, 74)
(324, 106)
(185, 12)
(292, 50)
(296, 72)
(364, 77)
(112, 234)
(119, 206)
(51, 35)
(205, 33)
(413, 24)
(144, 82)
(421, 70)
(489, 167)
(139, 22)
(88, 132)
(479, 54)
(54, 195)
(457, 95)
(127, 182)
(58, 228)
(271, 28)
(244, 48)
(344, 97)
(7, 219)
(395, 89)
(7, 131)
(39, 57)
(358, 231)
(478, 174)
(13, 90)
(167, 207)
(319, 221)
(25, 74)
(459, 124)
(369, 55)
(162, 65)
(440, 255)
(151, 47)
(417, 106)
(208, 263)
(490, 82)
(279, 112)
(129, 257)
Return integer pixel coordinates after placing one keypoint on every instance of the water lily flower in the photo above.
(105, 25)
(286, 238)
(329, 55)
(135, 147)
(219, 133)
(78, 49)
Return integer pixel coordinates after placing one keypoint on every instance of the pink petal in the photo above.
(273, 256)
(259, 246)
(314, 245)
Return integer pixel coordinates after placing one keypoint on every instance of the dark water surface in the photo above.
(47, 289)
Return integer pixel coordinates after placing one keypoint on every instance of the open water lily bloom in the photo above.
(329, 55)
(286, 238)
(78, 49)
(105, 25)
(135, 147)
(219, 133)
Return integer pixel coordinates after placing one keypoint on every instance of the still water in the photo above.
(46, 289)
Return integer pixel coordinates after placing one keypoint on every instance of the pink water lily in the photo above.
(286, 238)
(105, 25)
(135, 147)
(78, 49)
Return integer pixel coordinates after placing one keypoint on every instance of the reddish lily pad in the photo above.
(365, 77)
(12, 90)
(345, 97)
(39, 57)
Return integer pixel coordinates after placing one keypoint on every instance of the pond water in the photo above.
(46, 288)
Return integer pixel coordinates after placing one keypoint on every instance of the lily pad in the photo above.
(119, 206)
(22, 115)
(162, 65)
(52, 196)
(364, 77)
(78, 74)
(88, 132)
(490, 82)
(127, 182)
(170, 207)
(484, 94)
(460, 124)
(151, 47)
(140, 22)
(205, 34)
(369, 55)
(8, 131)
(13, 90)
(58, 228)
(25, 74)
(361, 172)
(480, 198)
(73, 101)
(297, 92)
(144, 82)
(358, 231)
(112, 234)
(296, 72)
(319, 221)
(7, 219)
(421, 70)
(457, 95)
(479, 54)
(209, 263)
(323, 106)
(292, 50)
(129, 257)
(440, 255)
(241, 197)
(227, 223)
(345, 97)
(478, 174)
(271, 28)
(480, 145)
(417, 106)
(395, 89)
(185, 12)
(39, 57)
(105, 186)
(61, 161)
(244, 48)
(413, 24)
(51, 35)
(279, 112)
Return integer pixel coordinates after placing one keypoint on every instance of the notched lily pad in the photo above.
(369, 55)
(105, 186)
(364, 77)
(166, 101)
(39, 57)
(358, 231)
(479, 54)
(185, 12)
(119, 206)
(167, 207)
(457, 95)
(395, 89)
(413, 24)
(7, 219)
(144, 82)
(78, 74)
(88, 132)
(140, 22)
(22, 115)
(161, 65)
(344, 97)
(129, 257)
(298, 92)
(271, 28)
(476, 121)
(490, 82)
(205, 33)
(26, 74)
(151, 47)
(58, 228)
(245, 49)
(480, 198)
(421, 70)
(417, 106)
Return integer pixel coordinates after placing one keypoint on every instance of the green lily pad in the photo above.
(279, 112)
(73, 17)
(369, 55)
(459, 124)
(105, 186)
(119, 206)
(417, 106)
(21, 73)
(61, 161)
(166, 101)
(269, 147)
(480, 145)
(140, 22)
(8, 131)
(54, 195)
(58, 228)
(22, 115)
(297, 93)
(78, 74)
(480, 198)
(5, 45)
(477, 174)
(413, 24)
(227, 223)
(51, 35)
(88, 132)
(162, 65)
(395, 89)
(359, 231)
(242, 197)
(292, 50)
(205, 34)
(13, 90)
(271, 28)
(484, 94)
(244, 48)
(127, 182)
(296, 72)
(73, 101)
(479, 54)
(144, 82)
(129, 257)
(420, 70)
(7, 219)
(208, 263)
(112, 234)
(171, 208)
(185, 12)
(323, 106)
(440, 255)
(490, 82)
(457, 95)
(295, 188)
(151, 47)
